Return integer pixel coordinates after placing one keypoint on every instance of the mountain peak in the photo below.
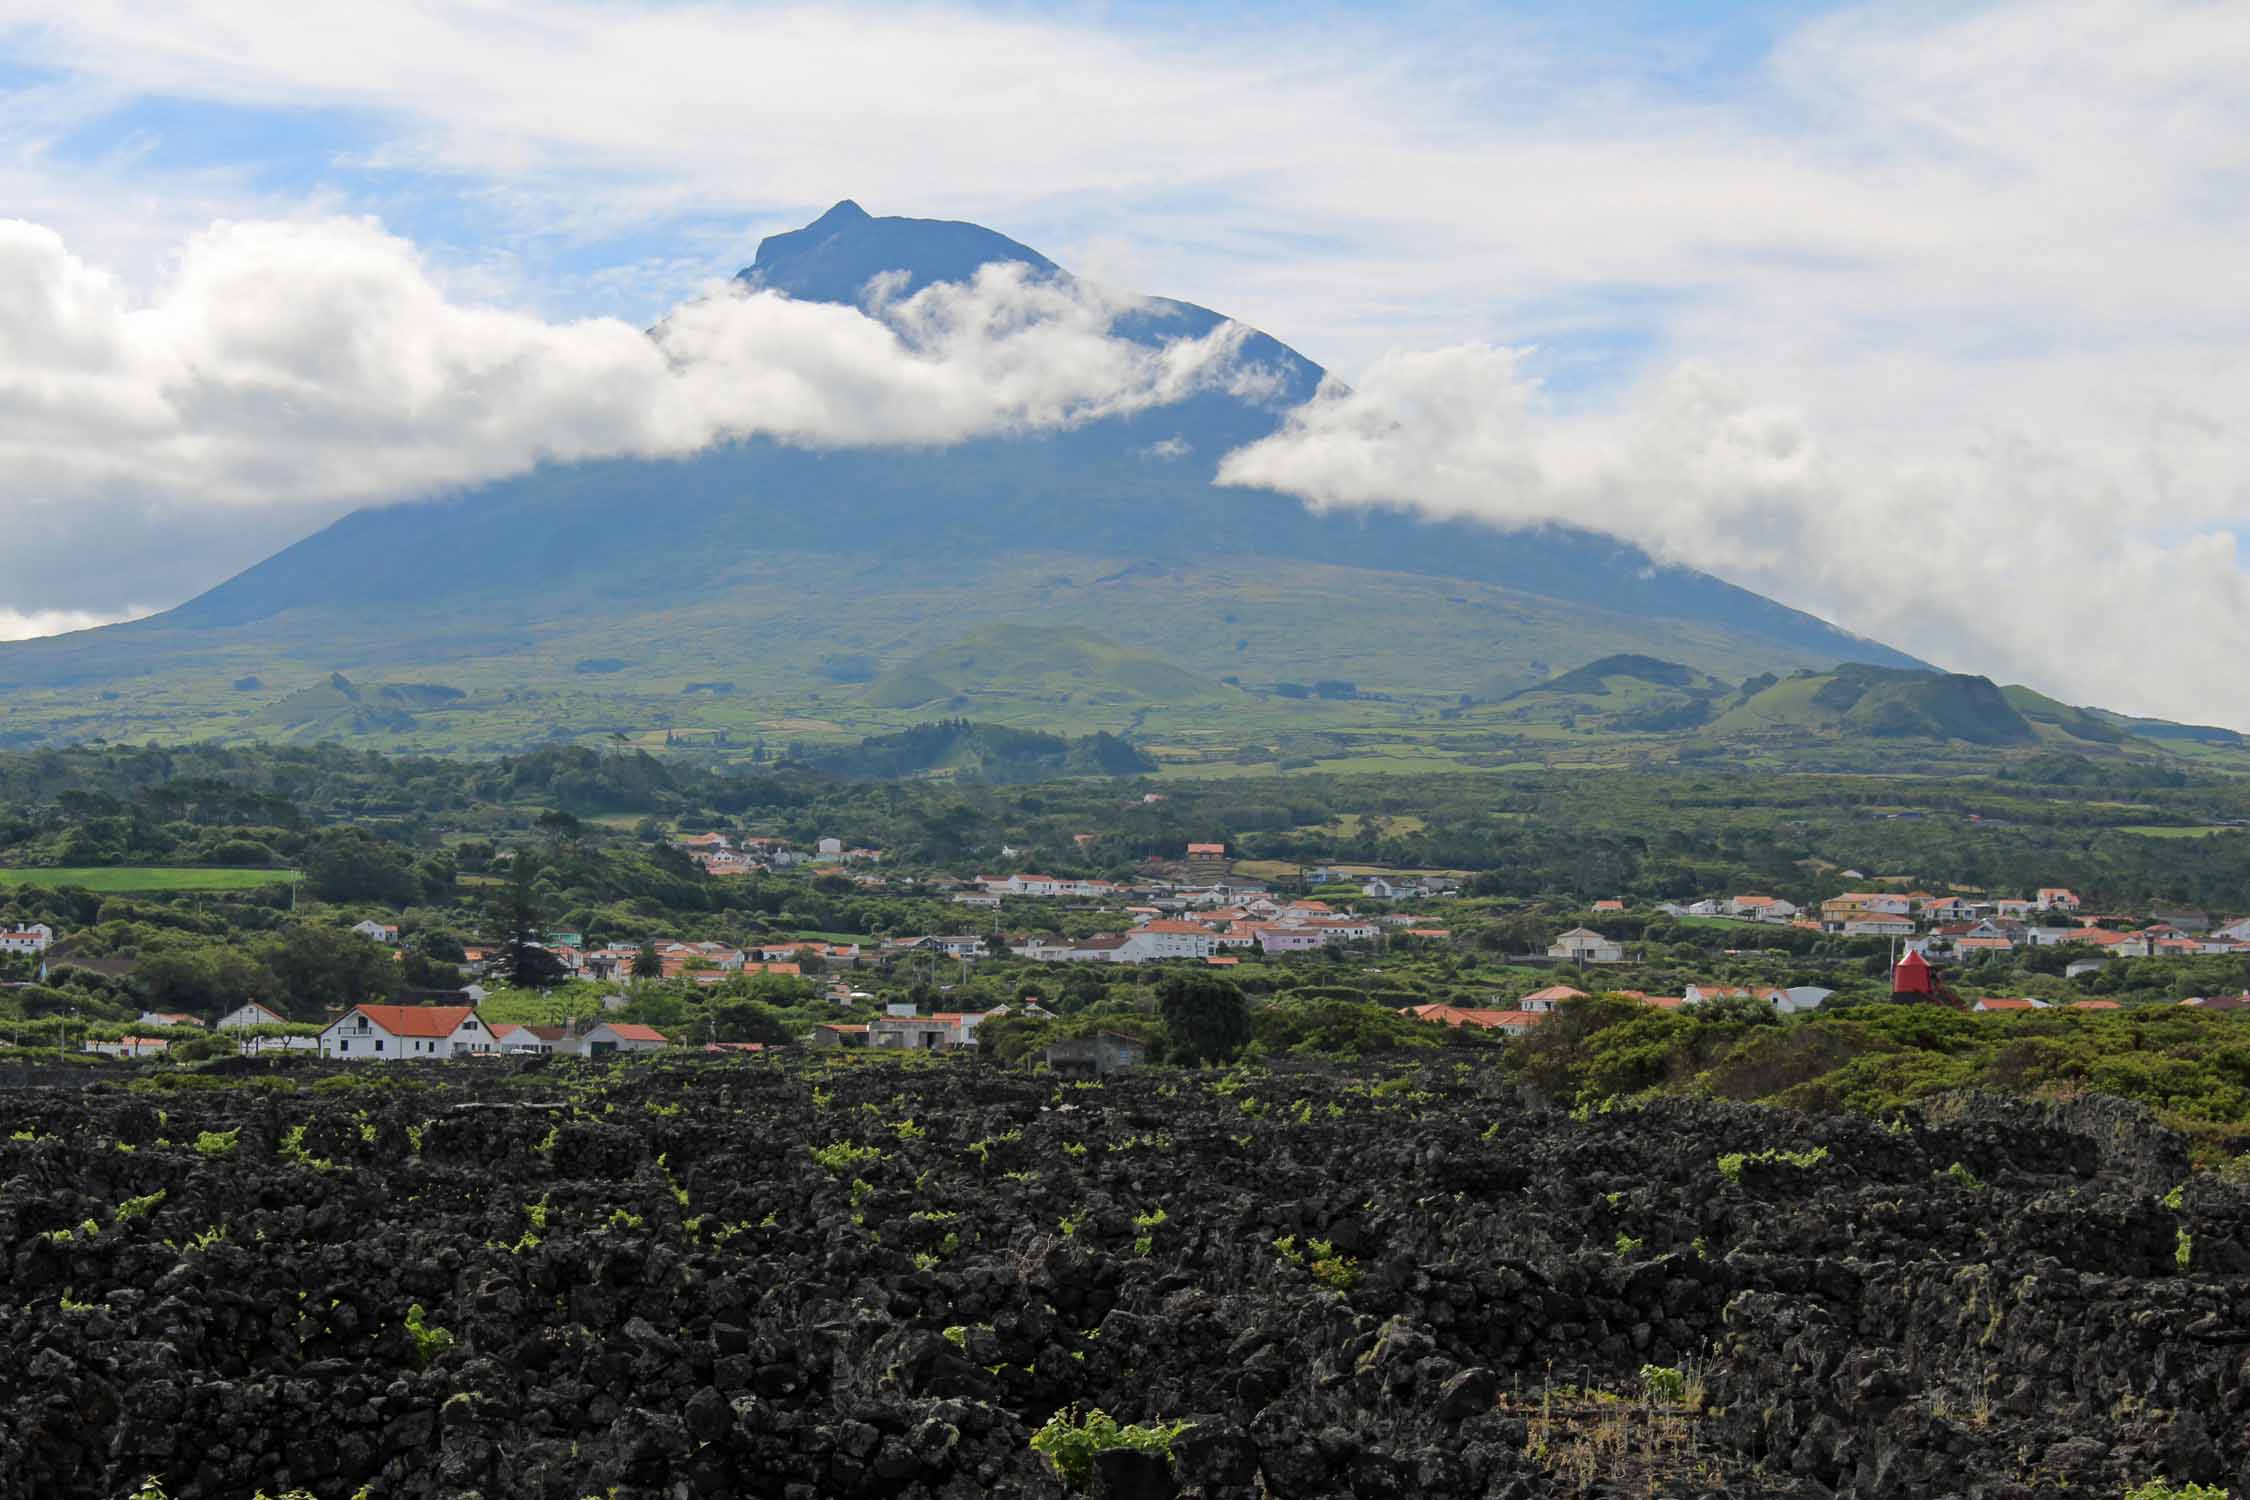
(846, 212)
(834, 257)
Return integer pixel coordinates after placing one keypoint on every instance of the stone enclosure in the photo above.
(880, 1277)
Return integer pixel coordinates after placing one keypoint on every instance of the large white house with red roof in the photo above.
(406, 1033)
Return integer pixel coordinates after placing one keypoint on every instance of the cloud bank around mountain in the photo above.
(320, 362)
(2024, 559)
(1928, 319)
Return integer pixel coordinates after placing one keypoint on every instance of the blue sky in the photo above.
(1759, 286)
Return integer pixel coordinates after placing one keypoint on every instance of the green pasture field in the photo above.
(146, 878)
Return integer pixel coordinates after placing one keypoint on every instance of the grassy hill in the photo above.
(1627, 694)
(1863, 702)
(2059, 721)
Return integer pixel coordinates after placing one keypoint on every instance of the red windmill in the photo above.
(1914, 981)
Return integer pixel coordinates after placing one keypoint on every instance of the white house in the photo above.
(964, 1024)
(167, 1018)
(612, 1037)
(376, 932)
(1879, 925)
(1761, 906)
(1584, 945)
(406, 1033)
(251, 1013)
(2237, 931)
(830, 848)
(1159, 940)
(1540, 1002)
(2056, 898)
(37, 937)
(131, 1046)
(1290, 939)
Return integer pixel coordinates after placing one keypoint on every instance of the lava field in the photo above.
(870, 1277)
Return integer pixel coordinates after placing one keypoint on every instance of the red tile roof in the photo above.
(633, 1031)
(417, 1020)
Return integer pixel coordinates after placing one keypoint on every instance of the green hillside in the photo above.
(1626, 693)
(1056, 665)
(989, 753)
(2047, 714)
(336, 707)
(1881, 703)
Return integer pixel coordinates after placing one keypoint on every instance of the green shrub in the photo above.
(1960, 1176)
(1070, 1440)
(843, 1156)
(1664, 1383)
(139, 1208)
(1339, 1273)
(1731, 1165)
(218, 1142)
(2157, 1489)
(429, 1341)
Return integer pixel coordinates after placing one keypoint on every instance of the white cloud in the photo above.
(2004, 556)
(20, 625)
(320, 361)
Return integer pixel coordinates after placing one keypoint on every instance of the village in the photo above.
(1192, 911)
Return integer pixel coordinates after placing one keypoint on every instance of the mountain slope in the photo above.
(1028, 661)
(766, 567)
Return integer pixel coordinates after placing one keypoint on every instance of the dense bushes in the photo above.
(2192, 1066)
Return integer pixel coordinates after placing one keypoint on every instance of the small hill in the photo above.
(1038, 663)
(990, 753)
(1882, 703)
(1629, 693)
(1597, 677)
(331, 708)
(2051, 714)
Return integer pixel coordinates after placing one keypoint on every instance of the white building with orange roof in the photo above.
(406, 1033)
(1547, 999)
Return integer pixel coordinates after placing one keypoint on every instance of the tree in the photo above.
(1208, 1017)
(321, 966)
(519, 921)
(747, 1021)
(351, 865)
(647, 964)
(202, 981)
